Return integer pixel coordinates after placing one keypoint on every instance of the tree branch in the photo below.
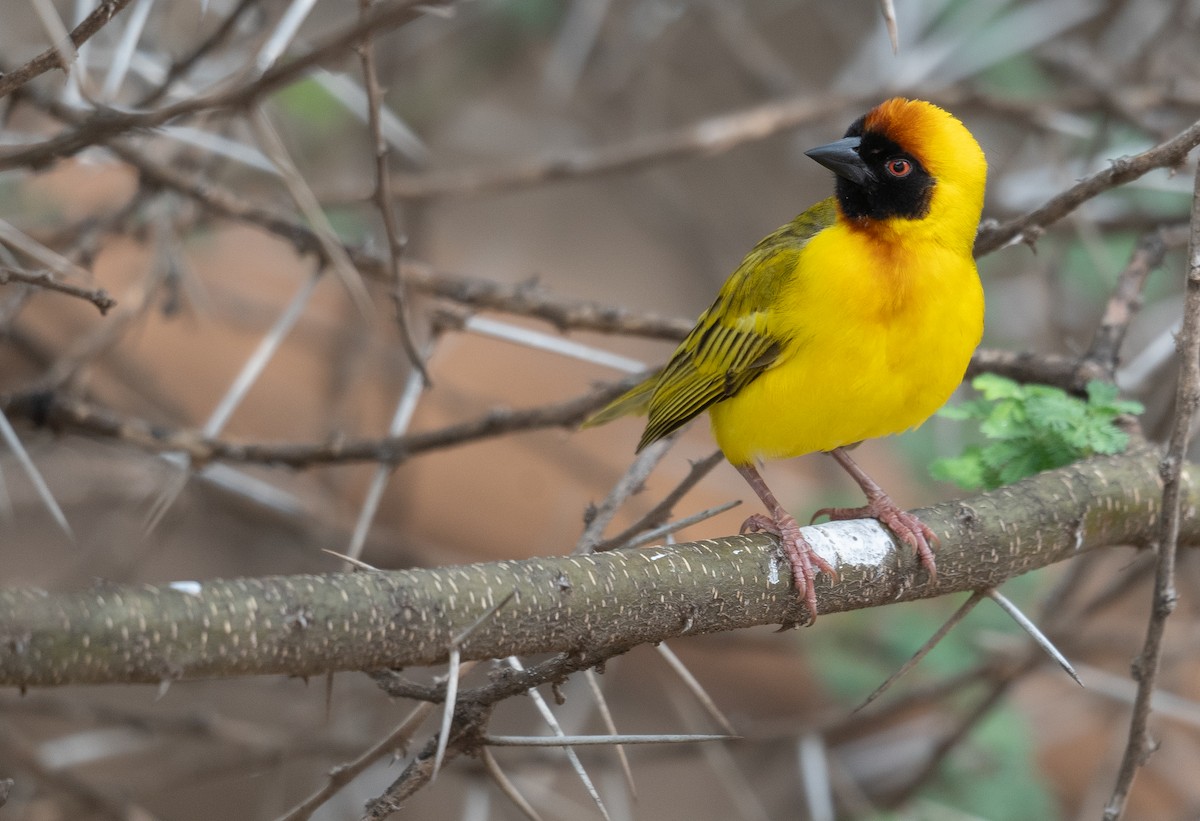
(46, 279)
(106, 124)
(51, 58)
(598, 605)
(1028, 227)
(1167, 529)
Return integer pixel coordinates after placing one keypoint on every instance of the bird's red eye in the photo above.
(899, 167)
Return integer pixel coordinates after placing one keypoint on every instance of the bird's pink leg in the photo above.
(907, 527)
(783, 525)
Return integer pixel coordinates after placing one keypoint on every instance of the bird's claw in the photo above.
(907, 527)
(799, 552)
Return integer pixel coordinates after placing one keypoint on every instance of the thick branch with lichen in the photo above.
(607, 603)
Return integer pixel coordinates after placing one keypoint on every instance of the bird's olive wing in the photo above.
(739, 336)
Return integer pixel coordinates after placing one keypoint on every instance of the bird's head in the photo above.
(908, 164)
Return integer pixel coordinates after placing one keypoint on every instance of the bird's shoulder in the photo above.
(772, 263)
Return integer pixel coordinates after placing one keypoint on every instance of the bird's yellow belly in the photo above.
(863, 363)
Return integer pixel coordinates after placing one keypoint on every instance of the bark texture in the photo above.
(307, 625)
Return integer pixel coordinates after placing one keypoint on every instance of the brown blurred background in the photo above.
(1053, 90)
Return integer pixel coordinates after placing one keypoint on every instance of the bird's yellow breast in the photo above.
(880, 324)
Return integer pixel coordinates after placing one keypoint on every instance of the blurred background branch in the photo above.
(532, 198)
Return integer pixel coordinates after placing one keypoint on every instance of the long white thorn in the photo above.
(593, 681)
(1032, 629)
(695, 688)
(485, 326)
(406, 407)
(552, 722)
(126, 47)
(447, 711)
(958, 615)
(43, 490)
(249, 374)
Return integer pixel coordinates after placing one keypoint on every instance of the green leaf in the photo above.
(966, 471)
(1031, 428)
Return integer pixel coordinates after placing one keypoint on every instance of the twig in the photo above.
(1124, 303)
(1028, 227)
(44, 279)
(342, 775)
(668, 528)
(708, 137)
(663, 509)
(20, 241)
(481, 699)
(631, 482)
(51, 58)
(103, 127)
(66, 412)
(413, 778)
(1187, 397)
(531, 300)
(1066, 372)
(383, 197)
(183, 65)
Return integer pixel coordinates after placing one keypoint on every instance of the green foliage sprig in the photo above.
(1032, 428)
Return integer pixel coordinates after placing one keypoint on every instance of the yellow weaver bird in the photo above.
(855, 320)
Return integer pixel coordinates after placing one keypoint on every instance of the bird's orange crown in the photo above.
(946, 149)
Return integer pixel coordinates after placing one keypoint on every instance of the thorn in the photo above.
(452, 675)
(1033, 630)
(506, 786)
(696, 689)
(601, 740)
(43, 490)
(954, 619)
(359, 563)
(447, 710)
(606, 716)
(888, 7)
(813, 759)
(668, 528)
(548, 716)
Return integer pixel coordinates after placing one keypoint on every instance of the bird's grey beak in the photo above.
(842, 158)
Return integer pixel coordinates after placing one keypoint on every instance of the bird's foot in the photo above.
(907, 527)
(799, 552)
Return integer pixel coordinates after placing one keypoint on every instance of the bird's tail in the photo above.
(634, 402)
